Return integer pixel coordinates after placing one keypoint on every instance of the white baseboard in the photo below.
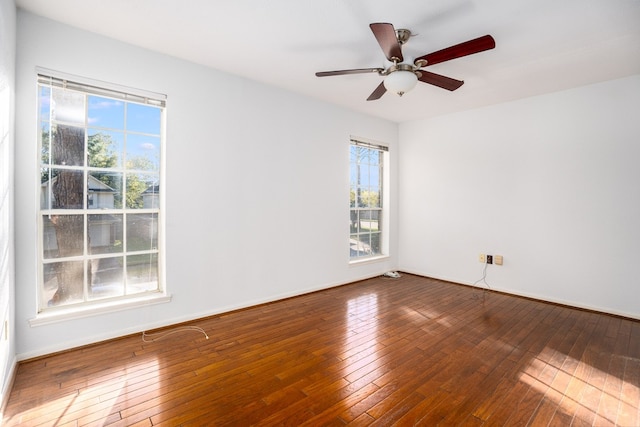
(7, 386)
(538, 297)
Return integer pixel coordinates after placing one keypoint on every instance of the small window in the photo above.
(100, 154)
(366, 200)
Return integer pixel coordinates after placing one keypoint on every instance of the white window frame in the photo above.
(89, 306)
(384, 200)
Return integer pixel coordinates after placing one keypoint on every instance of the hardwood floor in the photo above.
(408, 351)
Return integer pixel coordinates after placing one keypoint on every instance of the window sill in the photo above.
(62, 314)
(368, 260)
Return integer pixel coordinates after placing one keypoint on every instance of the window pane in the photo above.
(353, 245)
(143, 118)
(63, 282)
(142, 273)
(369, 198)
(104, 190)
(63, 236)
(353, 223)
(104, 149)
(67, 146)
(353, 175)
(353, 153)
(142, 232)
(45, 139)
(46, 195)
(363, 171)
(369, 220)
(375, 243)
(137, 186)
(106, 112)
(45, 102)
(64, 191)
(106, 278)
(375, 200)
(151, 197)
(67, 106)
(143, 152)
(105, 233)
(362, 245)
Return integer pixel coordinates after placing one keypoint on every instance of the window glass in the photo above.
(143, 118)
(106, 113)
(100, 187)
(143, 152)
(366, 179)
(105, 149)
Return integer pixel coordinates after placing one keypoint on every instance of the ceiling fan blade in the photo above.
(353, 71)
(440, 81)
(463, 49)
(388, 41)
(378, 92)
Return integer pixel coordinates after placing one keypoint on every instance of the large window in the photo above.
(366, 194)
(100, 184)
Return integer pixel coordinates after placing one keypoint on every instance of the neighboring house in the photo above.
(99, 194)
(103, 228)
(150, 198)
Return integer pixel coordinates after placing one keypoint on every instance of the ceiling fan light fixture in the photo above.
(400, 81)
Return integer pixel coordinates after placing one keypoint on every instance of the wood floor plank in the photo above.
(405, 352)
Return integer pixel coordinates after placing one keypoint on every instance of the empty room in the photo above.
(319, 213)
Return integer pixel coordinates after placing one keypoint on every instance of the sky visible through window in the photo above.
(107, 116)
(141, 119)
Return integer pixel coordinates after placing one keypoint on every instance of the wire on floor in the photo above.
(483, 278)
(161, 335)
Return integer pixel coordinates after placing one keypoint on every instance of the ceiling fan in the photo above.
(401, 75)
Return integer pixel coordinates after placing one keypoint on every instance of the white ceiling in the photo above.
(541, 45)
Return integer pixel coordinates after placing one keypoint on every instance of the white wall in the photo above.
(7, 143)
(276, 164)
(550, 183)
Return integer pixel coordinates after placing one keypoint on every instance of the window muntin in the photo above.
(100, 178)
(366, 200)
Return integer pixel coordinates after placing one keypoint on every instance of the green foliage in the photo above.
(135, 187)
(369, 199)
(101, 152)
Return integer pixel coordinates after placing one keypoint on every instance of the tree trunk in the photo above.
(68, 192)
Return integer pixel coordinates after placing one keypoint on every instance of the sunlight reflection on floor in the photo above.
(361, 335)
(103, 398)
(586, 392)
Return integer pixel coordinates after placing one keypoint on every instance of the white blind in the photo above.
(367, 144)
(94, 87)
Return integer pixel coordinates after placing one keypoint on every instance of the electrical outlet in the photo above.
(482, 258)
(489, 259)
(497, 259)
